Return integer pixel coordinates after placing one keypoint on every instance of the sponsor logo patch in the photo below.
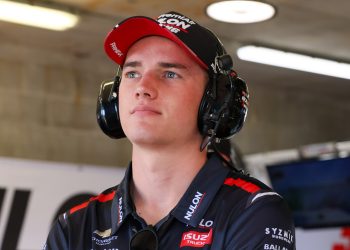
(196, 239)
(103, 238)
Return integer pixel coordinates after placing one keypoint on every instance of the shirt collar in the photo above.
(200, 194)
(192, 206)
(122, 204)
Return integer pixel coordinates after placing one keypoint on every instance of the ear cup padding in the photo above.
(107, 112)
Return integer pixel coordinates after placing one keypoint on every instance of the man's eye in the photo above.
(131, 74)
(171, 74)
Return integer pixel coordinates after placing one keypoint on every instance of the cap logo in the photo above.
(175, 23)
(115, 49)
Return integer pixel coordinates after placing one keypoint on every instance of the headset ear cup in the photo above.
(204, 111)
(107, 112)
(224, 94)
(241, 103)
(231, 101)
(237, 108)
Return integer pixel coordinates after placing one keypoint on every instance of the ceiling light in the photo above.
(244, 11)
(26, 14)
(294, 61)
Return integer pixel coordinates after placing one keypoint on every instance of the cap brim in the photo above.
(125, 34)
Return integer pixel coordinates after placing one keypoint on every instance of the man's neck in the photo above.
(161, 177)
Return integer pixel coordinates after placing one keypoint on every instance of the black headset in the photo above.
(107, 112)
(222, 110)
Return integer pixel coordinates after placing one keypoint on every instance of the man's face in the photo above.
(159, 95)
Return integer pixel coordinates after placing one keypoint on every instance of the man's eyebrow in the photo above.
(132, 64)
(172, 65)
(161, 64)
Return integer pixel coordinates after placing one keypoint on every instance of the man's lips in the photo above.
(144, 109)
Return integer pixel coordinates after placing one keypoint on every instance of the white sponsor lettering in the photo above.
(274, 247)
(207, 223)
(196, 239)
(120, 205)
(183, 18)
(192, 208)
(104, 241)
(194, 236)
(175, 23)
(115, 49)
(280, 234)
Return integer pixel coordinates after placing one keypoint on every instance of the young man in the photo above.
(167, 102)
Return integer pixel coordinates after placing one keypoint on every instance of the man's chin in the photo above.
(144, 138)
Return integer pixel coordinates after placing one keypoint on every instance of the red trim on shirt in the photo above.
(245, 185)
(100, 198)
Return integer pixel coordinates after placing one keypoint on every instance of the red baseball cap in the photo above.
(199, 42)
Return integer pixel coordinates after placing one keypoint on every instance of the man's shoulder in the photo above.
(99, 204)
(251, 209)
(83, 220)
(246, 197)
(239, 188)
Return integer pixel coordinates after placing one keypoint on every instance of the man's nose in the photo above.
(147, 87)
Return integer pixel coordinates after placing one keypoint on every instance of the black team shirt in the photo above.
(221, 209)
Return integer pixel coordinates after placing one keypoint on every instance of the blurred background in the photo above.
(49, 82)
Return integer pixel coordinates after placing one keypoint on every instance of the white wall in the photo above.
(48, 185)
